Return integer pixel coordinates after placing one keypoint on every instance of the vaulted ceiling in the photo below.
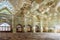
(36, 8)
(12, 5)
(15, 6)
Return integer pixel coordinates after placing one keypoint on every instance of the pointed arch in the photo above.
(6, 5)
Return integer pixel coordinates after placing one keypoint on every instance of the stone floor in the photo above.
(29, 36)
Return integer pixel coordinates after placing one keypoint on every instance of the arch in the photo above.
(5, 10)
(7, 5)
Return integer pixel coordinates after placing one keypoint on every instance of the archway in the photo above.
(5, 20)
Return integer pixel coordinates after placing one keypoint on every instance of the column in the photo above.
(13, 27)
(25, 22)
(41, 23)
(34, 24)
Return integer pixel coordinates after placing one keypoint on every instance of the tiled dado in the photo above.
(29, 36)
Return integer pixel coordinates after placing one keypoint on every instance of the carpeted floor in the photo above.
(29, 36)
